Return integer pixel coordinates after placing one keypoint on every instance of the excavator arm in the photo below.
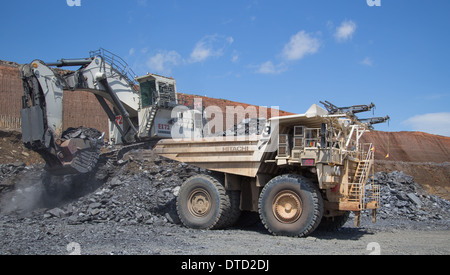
(75, 150)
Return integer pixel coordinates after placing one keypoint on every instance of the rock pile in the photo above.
(8, 170)
(402, 197)
(146, 196)
(138, 191)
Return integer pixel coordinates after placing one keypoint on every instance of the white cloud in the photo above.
(201, 53)
(366, 61)
(300, 45)
(210, 46)
(433, 123)
(345, 31)
(235, 57)
(164, 61)
(269, 68)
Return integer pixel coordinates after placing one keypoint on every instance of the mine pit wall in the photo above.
(409, 146)
(10, 97)
(80, 108)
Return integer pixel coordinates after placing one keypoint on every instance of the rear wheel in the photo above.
(290, 205)
(203, 203)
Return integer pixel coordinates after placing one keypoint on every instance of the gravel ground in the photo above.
(42, 237)
(129, 208)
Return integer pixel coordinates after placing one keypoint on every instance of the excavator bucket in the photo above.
(77, 152)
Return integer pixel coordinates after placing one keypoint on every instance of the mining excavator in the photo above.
(139, 109)
(300, 172)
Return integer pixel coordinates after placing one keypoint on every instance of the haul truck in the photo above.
(303, 171)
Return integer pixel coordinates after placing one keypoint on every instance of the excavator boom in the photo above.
(73, 150)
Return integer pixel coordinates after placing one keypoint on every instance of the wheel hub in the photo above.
(287, 207)
(199, 202)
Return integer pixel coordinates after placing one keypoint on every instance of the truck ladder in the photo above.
(362, 174)
(362, 193)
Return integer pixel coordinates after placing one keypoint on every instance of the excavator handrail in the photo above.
(117, 63)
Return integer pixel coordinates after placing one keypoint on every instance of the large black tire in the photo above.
(203, 203)
(290, 205)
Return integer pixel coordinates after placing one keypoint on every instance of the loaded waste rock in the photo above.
(247, 127)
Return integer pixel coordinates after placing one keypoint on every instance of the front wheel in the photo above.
(290, 205)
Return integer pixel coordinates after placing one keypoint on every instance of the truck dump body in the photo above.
(238, 156)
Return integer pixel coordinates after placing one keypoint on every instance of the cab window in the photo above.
(148, 91)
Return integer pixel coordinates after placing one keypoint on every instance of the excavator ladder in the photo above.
(151, 116)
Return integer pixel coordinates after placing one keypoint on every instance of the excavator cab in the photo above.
(157, 100)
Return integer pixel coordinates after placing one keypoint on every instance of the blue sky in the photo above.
(289, 53)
